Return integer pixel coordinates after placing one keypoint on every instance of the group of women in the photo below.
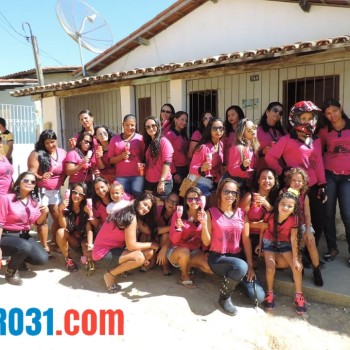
(234, 167)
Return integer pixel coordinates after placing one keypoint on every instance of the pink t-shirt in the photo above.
(235, 160)
(296, 154)
(180, 145)
(161, 221)
(109, 237)
(6, 172)
(200, 156)
(227, 142)
(166, 126)
(284, 228)
(196, 136)
(100, 211)
(116, 147)
(15, 216)
(254, 214)
(337, 156)
(56, 168)
(226, 232)
(189, 237)
(83, 175)
(154, 167)
(108, 172)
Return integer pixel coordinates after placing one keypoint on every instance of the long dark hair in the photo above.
(235, 204)
(44, 157)
(80, 139)
(206, 136)
(201, 125)
(123, 218)
(263, 119)
(186, 206)
(171, 107)
(154, 145)
(228, 126)
(183, 132)
(71, 216)
(273, 194)
(95, 197)
(15, 189)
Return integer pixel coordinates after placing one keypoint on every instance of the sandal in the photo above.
(188, 284)
(331, 254)
(114, 287)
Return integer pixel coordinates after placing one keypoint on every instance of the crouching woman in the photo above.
(116, 248)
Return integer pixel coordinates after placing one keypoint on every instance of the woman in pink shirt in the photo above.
(243, 155)
(166, 113)
(233, 115)
(207, 159)
(6, 172)
(79, 161)
(126, 160)
(335, 138)
(197, 135)
(103, 137)
(116, 247)
(177, 135)
(185, 250)
(100, 199)
(270, 130)
(46, 162)
(19, 210)
(225, 229)
(159, 156)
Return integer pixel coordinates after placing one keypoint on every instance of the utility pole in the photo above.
(39, 71)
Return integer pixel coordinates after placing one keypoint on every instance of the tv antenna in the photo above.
(85, 26)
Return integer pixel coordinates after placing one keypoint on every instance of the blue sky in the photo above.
(55, 46)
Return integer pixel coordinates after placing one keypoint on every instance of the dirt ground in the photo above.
(159, 313)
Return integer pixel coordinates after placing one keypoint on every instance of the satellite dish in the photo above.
(85, 26)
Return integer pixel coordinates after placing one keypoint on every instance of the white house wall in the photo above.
(236, 25)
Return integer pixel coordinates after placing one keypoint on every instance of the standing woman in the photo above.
(206, 171)
(6, 172)
(126, 161)
(335, 138)
(225, 229)
(18, 212)
(197, 135)
(166, 113)
(270, 130)
(103, 137)
(185, 250)
(46, 162)
(177, 135)
(78, 165)
(243, 155)
(159, 156)
(233, 116)
(116, 247)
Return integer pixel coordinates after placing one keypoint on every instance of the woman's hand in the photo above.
(63, 205)
(251, 274)
(161, 187)
(258, 250)
(88, 211)
(246, 163)
(125, 155)
(179, 223)
(161, 256)
(44, 209)
(297, 264)
(206, 166)
(202, 217)
(47, 175)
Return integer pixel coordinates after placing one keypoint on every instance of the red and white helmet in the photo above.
(300, 108)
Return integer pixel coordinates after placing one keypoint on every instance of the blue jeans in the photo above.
(338, 188)
(132, 184)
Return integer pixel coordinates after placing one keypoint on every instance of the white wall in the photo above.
(236, 25)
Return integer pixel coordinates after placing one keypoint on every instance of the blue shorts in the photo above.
(111, 259)
(276, 247)
(170, 250)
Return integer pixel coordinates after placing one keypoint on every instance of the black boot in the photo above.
(12, 277)
(318, 281)
(225, 300)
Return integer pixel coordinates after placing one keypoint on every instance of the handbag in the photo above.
(187, 182)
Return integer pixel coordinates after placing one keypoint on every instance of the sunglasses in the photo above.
(27, 181)
(217, 128)
(170, 201)
(78, 193)
(149, 127)
(228, 192)
(276, 110)
(102, 133)
(164, 111)
(195, 199)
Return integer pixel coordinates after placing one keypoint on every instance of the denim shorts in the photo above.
(276, 247)
(52, 196)
(111, 259)
(170, 250)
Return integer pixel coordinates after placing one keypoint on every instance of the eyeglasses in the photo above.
(228, 192)
(252, 129)
(217, 128)
(78, 193)
(87, 142)
(276, 110)
(27, 181)
(170, 201)
(195, 199)
(102, 133)
(164, 111)
(149, 127)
